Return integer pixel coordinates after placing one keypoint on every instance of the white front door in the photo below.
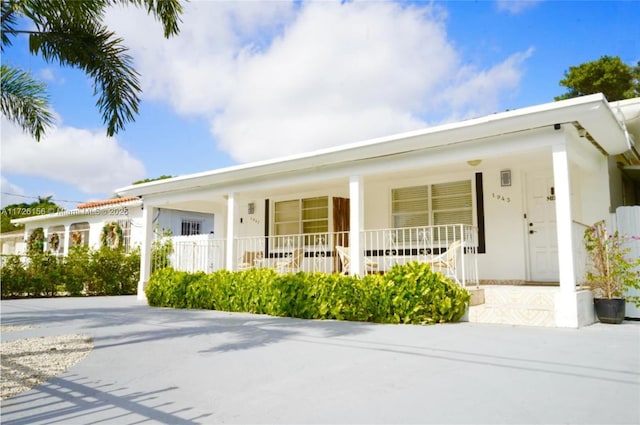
(541, 227)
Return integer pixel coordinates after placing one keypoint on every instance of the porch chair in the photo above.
(445, 260)
(291, 264)
(343, 253)
(250, 260)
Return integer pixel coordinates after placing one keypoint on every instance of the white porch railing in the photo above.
(451, 249)
(311, 252)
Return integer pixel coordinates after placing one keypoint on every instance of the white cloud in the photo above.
(49, 75)
(196, 71)
(276, 78)
(11, 193)
(479, 92)
(515, 7)
(87, 160)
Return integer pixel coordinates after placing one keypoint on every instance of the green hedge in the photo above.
(91, 272)
(410, 293)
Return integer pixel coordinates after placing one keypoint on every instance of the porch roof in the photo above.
(84, 209)
(592, 113)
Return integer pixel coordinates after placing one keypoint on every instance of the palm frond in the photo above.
(25, 101)
(8, 22)
(72, 33)
(166, 11)
(101, 55)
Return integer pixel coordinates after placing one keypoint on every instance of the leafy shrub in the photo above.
(44, 274)
(171, 287)
(15, 278)
(78, 272)
(411, 293)
(113, 272)
(416, 292)
(101, 272)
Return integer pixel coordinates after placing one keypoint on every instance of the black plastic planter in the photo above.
(610, 310)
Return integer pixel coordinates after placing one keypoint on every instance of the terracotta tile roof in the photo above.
(97, 204)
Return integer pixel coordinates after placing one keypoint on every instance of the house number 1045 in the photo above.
(501, 197)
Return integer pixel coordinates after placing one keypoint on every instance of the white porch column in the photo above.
(66, 242)
(45, 243)
(356, 208)
(145, 250)
(563, 218)
(231, 223)
(572, 308)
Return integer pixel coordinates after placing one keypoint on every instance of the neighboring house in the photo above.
(512, 192)
(12, 243)
(84, 225)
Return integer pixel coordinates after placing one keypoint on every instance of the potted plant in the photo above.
(611, 273)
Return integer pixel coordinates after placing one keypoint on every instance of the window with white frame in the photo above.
(190, 227)
(435, 204)
(125, 225)
(79, 234)
(301, 216)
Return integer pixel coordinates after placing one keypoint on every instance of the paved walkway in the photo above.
(179, 367)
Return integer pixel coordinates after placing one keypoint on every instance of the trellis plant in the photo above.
(613, 271)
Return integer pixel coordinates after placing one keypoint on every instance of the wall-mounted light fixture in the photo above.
(474, 162)
(251, 208)
(505, 178)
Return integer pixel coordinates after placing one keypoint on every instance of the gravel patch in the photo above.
(29, 362)
(14, 328)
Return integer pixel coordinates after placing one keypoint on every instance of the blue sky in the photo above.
(247, 81)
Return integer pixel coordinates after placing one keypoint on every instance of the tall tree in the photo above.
(72, 33)
(43, 205)
(607, 75)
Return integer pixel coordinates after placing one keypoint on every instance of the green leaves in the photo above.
(406, 294)
(607, 75)
(99, 53)
(72, 34)
(25, 101)
(612, 271)
(95, 272)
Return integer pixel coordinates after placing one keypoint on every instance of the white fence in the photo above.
(194, 253)
(628, 224)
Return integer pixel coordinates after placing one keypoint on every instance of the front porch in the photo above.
(449, 249)
(529, 305)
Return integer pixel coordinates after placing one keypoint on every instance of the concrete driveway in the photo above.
(181, 366)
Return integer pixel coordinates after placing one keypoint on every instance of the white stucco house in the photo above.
(83, 225)
(500, 201)
(508, 196)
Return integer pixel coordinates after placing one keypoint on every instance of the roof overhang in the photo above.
(591, 113)
(79, 212)
(628, 112)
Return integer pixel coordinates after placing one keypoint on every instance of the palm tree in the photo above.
(72, 34)
(44, 199)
